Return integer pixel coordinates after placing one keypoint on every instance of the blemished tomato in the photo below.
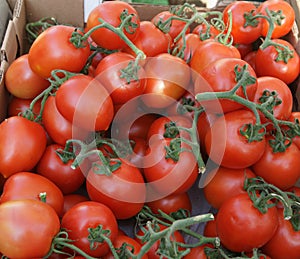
(281, 26)
(87, 216)
(241, 31)
(27, 228)
(285, 243)
(224, 183)
(109, 72)
(286, 71)
(225, 144)
(53, 50)
(112, 12)
(32, 186)
(23, 142)
(71, 200)
(242, 227)
(21, 81)
(281, 169)
(124, 188)
(84, 102)
(17, 106)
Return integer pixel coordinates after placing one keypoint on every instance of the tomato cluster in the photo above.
(119, 120)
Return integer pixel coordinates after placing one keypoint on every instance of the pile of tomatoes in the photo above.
(123, 117)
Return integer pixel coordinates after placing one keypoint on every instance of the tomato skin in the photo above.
(285, 243)
(225, 183)
(23, 141)
(21, 81)
(53, 50)
(241, 227)
(250, 59)
(30, 186)
(226, 146)
(140, 126)
(27, 228)
(210, 228)
(295, 115)
(110, 12)
(287, 72)
(17, 106)
(198, 252)
(281, 169)
(201, 29)
(84, 102)
(72, 199)
(89, 214)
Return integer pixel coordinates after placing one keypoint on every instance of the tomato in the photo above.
(285, 243)
(61, 173)
(171, 203)
(71, 200)
(250, 59)
(112, 13)
(27, 228)
(124, 188)
(168, 78)
(221, 77)
(21, 81)
(277, 8)
(224, 183)
(109, 72)
(210, 228)
(241, 31)
(242, 227)
(293, 116)
(139, 147)
(202, 31)
(198, 252)
(84, 102)
(244, 49)
(281, 169)
(32, 186)
(287, 71)
(18, 106)
(225, 144)
(22, 145)
(85, 217)
(54, 50)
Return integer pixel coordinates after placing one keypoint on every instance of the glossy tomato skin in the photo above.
(25, 140)
(226, 146)
(110, 12)
(285, 243)
(31, 186)
(24, 221)
(85, 215)
(84, 102)
(17, 106)
(241, 227)
(198, 252)
(21, 81)
(53, 50)
(72, 199)
(286, 71)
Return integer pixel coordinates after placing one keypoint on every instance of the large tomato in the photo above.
(53, 50)
(27, 228)
(22, 145)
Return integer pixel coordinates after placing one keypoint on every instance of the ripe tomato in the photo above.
(210, 228)
(113, 13)
(250, 59)
(72, 199)
(125, 188)
(54, 50)
(27, 228)
(225, 144)
(198, 252)
(244, 49)
(224, 183)
(22, 145)
(287, 71)
(21, 81)
(17, 106)
(203, 33)
(295, 115)
(32, 186)
(84, 102)
(242, 227)
(85, 217)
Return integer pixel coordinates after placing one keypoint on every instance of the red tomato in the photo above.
(71, 200)
(32, 186)
(204, 33)
(27, 228)
(226, 145)
(140, 126)
(285, 243)
(21, 81)
(84, 102)
(139, 147)
(223, 183)
(210, 228)
(250, 59)
(287, 71)
(53, 50)
(198, 252)
(112, 13)
(125, 188)
(22, 145)
(87, 216)
(242, 31)
(242, 227)
(295, 115)
(18, 106)
(244, 49)
(281, 169)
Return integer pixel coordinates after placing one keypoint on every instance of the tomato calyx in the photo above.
(250, 19)
(253, 132)
(98, 235)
